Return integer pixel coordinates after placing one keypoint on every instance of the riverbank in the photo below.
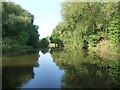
(20, 52)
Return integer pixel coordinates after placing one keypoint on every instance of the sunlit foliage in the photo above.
(88, 21)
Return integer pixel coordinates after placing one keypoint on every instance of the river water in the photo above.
(57, 69)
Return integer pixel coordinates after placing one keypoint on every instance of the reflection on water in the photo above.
(44, 50)
(47, 75)
(29, 71)
(60, 69)
(84, 69)
(18, 70)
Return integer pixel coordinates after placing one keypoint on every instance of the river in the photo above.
(57, 69)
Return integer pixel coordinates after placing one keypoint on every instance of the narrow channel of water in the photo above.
(46, 75)
(31, 71)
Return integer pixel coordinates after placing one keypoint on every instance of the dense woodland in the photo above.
(18, 31)
(84, 25)
(89, 25)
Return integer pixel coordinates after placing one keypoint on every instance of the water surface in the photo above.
(47, 75)
(31, 71)
(59, 69)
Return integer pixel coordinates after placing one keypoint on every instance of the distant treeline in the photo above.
(88, 24)
(18, 31)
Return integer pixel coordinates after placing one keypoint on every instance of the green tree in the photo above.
(18, 30)
(88, 22)
(44, 43)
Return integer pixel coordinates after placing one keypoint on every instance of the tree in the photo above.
(44, 43)
(18, 27)
(87, 22)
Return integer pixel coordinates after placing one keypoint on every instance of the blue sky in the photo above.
(47, 14)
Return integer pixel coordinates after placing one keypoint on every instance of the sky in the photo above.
(47, 14)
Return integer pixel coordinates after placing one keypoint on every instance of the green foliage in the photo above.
(18, 30)
(114, 30)
(56, 41)
(43, 43)
(87, 21)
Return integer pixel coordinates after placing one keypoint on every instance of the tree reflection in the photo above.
(84, 69)
(44, 50)
(17, 71)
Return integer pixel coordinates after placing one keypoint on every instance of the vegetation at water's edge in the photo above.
(90, 25)
(18, 31)
(95, 27)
